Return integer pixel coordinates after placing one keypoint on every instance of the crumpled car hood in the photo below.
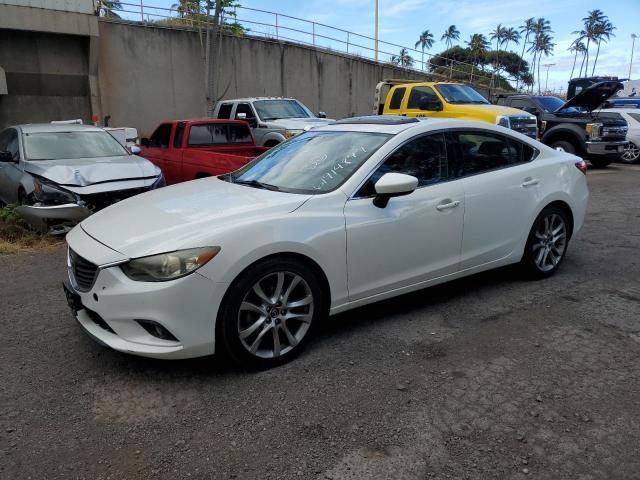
(82, 172)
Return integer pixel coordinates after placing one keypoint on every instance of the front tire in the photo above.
(270, 313)
(547, 243)
(564, 146)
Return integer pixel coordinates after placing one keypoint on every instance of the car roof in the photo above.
(396, 128)
(251, 99)
(56, 127)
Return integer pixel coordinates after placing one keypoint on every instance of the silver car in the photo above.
(60, 174)
(272, 119)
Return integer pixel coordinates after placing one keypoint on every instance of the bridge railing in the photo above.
(279, 26)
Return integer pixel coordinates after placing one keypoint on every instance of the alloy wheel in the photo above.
(631, 153)
(275, 314)
(550, 242)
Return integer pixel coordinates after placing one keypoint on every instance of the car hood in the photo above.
(298, 123)
(592, 97)
(185, 215)
(81, 172)
(499, 109)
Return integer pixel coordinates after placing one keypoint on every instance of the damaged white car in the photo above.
(60, 174)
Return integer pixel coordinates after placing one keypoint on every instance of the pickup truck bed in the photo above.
(190, 149)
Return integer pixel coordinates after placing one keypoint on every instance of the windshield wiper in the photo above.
(255, 183)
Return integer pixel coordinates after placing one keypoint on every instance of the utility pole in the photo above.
(375, 34)
(633, 44)
(546, 83)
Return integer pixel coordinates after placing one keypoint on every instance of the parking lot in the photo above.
(488, 377)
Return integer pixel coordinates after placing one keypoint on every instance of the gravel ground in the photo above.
(487, 377)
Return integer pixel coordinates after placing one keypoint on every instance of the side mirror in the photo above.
(393, 185)
(135, 150)
(145, 142)
(532, 110)
(6, 157)
(427, 103)
(241, 116)
(322, 115)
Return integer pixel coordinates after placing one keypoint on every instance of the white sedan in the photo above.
(631, 152)
(340, 216)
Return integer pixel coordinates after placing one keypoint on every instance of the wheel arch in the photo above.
(569, 133)
(566, 208)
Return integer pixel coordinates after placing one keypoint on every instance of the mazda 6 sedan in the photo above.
(360, 210)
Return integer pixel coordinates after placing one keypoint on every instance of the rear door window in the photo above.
(225, 110)
(219, 134)
(396, 98)
(161, 137)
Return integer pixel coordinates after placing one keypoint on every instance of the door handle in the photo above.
(445, 206)
(530, 182)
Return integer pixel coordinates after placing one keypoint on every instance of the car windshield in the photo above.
(70, 145)
(276, 109)
(460, 94)
(311, 163)
(551, 104)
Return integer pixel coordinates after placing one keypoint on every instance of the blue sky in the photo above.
(401, 21)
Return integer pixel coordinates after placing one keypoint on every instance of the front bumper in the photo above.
(613, 149)
(60, 217)
(111, 310)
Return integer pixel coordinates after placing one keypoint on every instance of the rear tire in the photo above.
(564, 146)
(547, 243)
(269, 313)
(631, 154)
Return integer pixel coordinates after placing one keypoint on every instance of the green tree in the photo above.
(525, 31)
(541, 43)
(478, 45)
(425, 41)
(403, 59)
(576, 47)
(603, 31)
(590, 32)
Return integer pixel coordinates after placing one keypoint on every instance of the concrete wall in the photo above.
(148, 74)
(46, 76)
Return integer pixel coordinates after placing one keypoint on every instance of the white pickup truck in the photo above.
(272, 119)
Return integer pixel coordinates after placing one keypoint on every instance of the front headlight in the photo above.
(159, 183)
(503, 121)
(48, 193)
(291, 133)
(593, 130)
(168, 266)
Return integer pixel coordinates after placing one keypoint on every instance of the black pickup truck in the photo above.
(576, 126)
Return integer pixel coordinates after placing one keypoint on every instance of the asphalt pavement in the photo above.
(488, 377)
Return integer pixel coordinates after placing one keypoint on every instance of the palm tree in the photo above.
(542, 45)
(478, 45)
(603, 32)
(108, 7)
(183, 7)
(525, 30)
(577, 47)
(403, 59)
(541, 30)
(590, 32)
(425, 41)
(449, 35)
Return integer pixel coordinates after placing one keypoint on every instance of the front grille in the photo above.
(98, 201)
(84, 272)
(525, 125)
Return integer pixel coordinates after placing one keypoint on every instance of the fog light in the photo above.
(157, 330)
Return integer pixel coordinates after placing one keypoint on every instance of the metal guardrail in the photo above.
(279, 26)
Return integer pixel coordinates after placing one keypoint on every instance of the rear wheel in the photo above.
(270, 313)
(564, 146)
(631, 153)
(547, 243)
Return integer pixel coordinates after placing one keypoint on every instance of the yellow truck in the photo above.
(450, 100)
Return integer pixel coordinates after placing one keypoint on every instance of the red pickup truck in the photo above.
(189, 149)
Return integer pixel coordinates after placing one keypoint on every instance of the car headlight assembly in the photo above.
(47, 193)
(159, 183)
(503, 121)
(291, 133)
(168, 266)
